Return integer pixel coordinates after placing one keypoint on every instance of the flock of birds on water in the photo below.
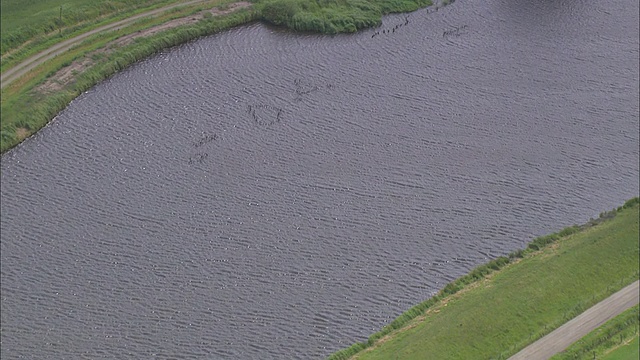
(454, 32)
(303, 89)
(263, 115)
(264, 121)
(385, 31)
(200, 158)
(273, 114)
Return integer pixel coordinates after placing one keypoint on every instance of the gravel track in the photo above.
(36, 60)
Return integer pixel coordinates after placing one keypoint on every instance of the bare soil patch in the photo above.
(65, 76)
(22, 133)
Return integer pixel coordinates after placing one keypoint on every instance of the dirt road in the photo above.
(36, 60)
(581, 325)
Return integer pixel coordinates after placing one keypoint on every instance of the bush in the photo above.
(332, 16)
(280, 12)
(569, 230)
(631, 202)
(475, 275)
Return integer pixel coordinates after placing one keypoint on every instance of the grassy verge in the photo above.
(24, 21)
(630, 351)
(500, 307)
(42, 42)
(333, 16)
(606, 340)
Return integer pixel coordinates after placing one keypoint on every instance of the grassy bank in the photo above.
(607, 339)
(26, 107)
(628, 351)
(499, 308)
(30, 27)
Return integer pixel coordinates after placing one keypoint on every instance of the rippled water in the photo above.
(261, 194)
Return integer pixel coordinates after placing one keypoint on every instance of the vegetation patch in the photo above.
(530, 293)
(332, 16)
(22, 133)
(630, 351)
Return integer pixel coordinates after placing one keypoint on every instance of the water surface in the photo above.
(262, 194)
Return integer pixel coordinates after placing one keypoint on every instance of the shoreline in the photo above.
(51, 85)
(479, 277)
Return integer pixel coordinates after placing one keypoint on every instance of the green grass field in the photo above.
(31, 26)
(24, 20)
(629, 351)
(22, 108)
(496, 317)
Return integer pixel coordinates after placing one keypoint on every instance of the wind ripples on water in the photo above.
(261, 194)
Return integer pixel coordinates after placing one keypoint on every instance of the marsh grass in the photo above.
(502, 306)
(24, 20)
(332, 16)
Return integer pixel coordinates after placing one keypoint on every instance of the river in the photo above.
(261, 194)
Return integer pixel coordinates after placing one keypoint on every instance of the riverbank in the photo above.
(501, 307)
(33, 99)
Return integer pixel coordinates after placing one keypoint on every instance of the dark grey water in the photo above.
(260, 194)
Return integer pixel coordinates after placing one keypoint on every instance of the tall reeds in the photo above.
(332, 16)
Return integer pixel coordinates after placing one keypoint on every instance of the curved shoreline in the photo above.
(76, 65)
(479, 277)
(38, 59)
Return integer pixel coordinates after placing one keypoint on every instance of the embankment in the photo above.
(31, 101)
(503, 306)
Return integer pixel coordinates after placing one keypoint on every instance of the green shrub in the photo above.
(631, 202)
(330, 16)
(279, 12)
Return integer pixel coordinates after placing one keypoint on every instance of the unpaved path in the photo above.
(562, 337)
(36, 60)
